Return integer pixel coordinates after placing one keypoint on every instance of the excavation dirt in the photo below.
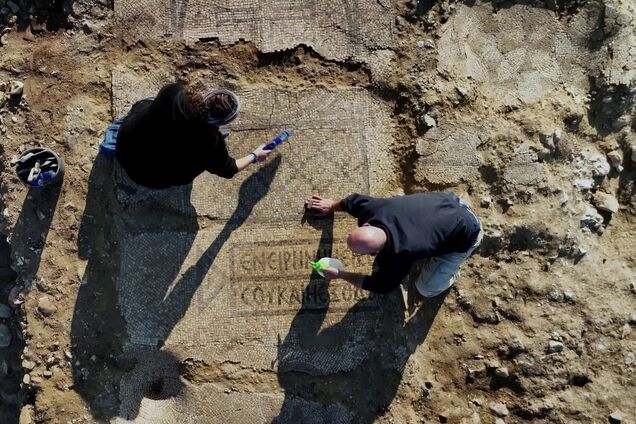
(197, 304)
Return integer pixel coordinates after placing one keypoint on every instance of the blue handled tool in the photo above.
(278, 139)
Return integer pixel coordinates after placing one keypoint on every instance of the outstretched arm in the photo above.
(354, 278)
(258, 155)
(383, 281)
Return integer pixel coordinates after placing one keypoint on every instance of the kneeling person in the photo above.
(171, 139)
(435, 227)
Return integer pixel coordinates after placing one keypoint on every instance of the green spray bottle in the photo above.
(323, 263)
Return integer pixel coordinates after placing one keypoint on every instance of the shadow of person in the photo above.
(370, 346)
(98, 329)
(11, 392)
(104, 350)
(31, 230)
(253, 189)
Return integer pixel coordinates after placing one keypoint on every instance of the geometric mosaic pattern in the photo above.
(338, 30)
(340, 145)
(448, 155)
(519, 54)
(219, 270)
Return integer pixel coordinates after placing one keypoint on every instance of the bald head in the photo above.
(366, 240)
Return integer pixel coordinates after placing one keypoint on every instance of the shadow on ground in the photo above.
(98, 329)
(28, 240)
(49, 15)
(102, 356)
(359, 395)
(31, 230)
(176, 301)
(11, 371)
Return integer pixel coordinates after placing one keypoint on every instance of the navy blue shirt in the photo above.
(417, 226)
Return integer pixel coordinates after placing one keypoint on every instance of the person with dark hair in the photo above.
(436, 229)
(171, 139)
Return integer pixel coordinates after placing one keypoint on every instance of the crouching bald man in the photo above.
(436, 228)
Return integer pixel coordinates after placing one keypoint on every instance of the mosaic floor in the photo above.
(338, 30)
(239, 288)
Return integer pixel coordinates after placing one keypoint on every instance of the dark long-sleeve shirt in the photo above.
(160, 146)
(417, 226)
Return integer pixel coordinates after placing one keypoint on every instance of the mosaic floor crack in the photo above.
(338, 30)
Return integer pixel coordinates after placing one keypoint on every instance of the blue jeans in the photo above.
(109, 144)
(440, 272)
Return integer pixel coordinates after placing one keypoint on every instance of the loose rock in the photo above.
(26, 415)
(502, 372)
(616, 417)
(615, 159)
(584, 184)
(625, 331)
(427, 121)
(14, 296)
(606, 202)
(554, 295)
(89, 28)
(486, 201)
(499, 409)
(17, 89)
(579, 252)
(632, 319)
(555, 347)
(569, 296)
(591, 219)
(28, 365)
(428, 43)
(630, 358)
(556, 336)
(599, 165)
(5, 336)
(462, 90)
(474, 419)
(547, 140)
(46, 307)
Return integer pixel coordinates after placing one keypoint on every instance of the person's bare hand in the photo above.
(321, 205)
(330, 273)
(261, 153)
